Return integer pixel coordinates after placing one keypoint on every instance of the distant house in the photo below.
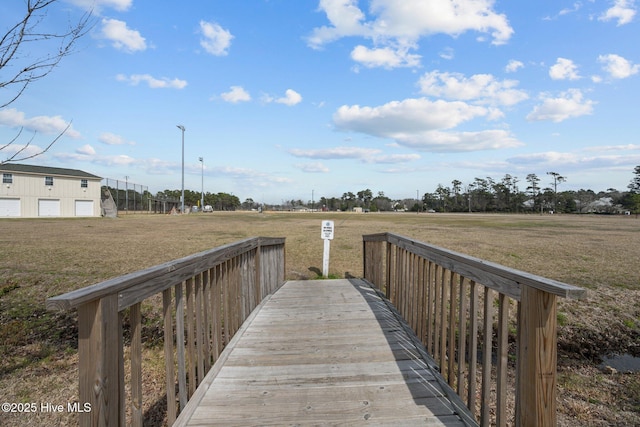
(39, 191)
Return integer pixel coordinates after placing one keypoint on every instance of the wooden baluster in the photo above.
(217, 312)
(452, 329)
(168, 356)
(462, 337)
(503, 348)
(436, 313)
(191, 352)
(135, 318)
(422, 300)
(473, 346)
(443, 323)
(226, 300)
(431, 298)
(180, 350)
(487, 348)
(199, 329)
(208, 312)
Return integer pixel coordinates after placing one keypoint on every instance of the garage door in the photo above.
(9, 207)
(84, 207)
(48, 207)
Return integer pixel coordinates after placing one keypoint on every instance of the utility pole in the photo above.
(182, 128)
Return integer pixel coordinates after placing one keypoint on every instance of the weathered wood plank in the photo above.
(139, 285)
(321, 352)
(99, 365)
(500, 278)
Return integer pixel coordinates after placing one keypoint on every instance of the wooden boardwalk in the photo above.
(329, 352)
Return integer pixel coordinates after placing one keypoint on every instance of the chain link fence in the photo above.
(131, 197)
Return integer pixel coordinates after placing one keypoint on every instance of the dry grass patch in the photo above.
(46, 257)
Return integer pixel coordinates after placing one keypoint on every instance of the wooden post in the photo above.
(98, 348)
(537, 385)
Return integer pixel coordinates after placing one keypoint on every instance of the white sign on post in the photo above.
(327, 236)
(327, 230)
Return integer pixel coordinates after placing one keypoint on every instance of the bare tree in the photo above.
(18, 70)
(557, 179)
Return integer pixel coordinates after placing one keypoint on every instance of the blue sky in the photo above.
(281, 98)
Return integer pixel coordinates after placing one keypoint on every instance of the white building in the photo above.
(38, 191)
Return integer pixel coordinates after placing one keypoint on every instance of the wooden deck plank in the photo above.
(323, 352)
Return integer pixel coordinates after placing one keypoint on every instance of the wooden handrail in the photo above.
(461, 308)
(208, 295)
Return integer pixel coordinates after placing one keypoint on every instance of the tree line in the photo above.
(218, 201)
(507, 195)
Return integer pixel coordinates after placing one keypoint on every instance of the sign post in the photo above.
(327, 236)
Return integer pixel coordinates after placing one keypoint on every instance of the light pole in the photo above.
(202, 184)
(181, 127)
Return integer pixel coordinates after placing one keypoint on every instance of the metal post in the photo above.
(202, 185)
(182, 128)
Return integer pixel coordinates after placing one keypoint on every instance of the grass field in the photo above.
(46, 257)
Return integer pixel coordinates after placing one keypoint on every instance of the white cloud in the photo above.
(627, 147)
(365, 155)
(408, 20)
(216, 40)
(447, 53)
(122, 38)
(98, 5)
(51, 125)
(315, 167)
(566, 11)
(564, 69)
(569, 104)
(290, 98)
(617, 66)
(396, 26)
(513, 66)
(236, 94)
(409, 115)
(622, 10)
(152, 82)
(86, 150)
(346, 19)
(575, 160)
(386, 57)
(483, 88)
(250, 178)
(21, 150)
(113, 139)
(421, 124)
(84, 154)
(547, 158)
(396, 158)
(336, 153)
(118, 160)
(437, 141)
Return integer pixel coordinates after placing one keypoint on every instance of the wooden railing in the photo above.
(208, 295)
(476, 318)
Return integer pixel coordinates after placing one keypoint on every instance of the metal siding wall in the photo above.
(31, 188)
